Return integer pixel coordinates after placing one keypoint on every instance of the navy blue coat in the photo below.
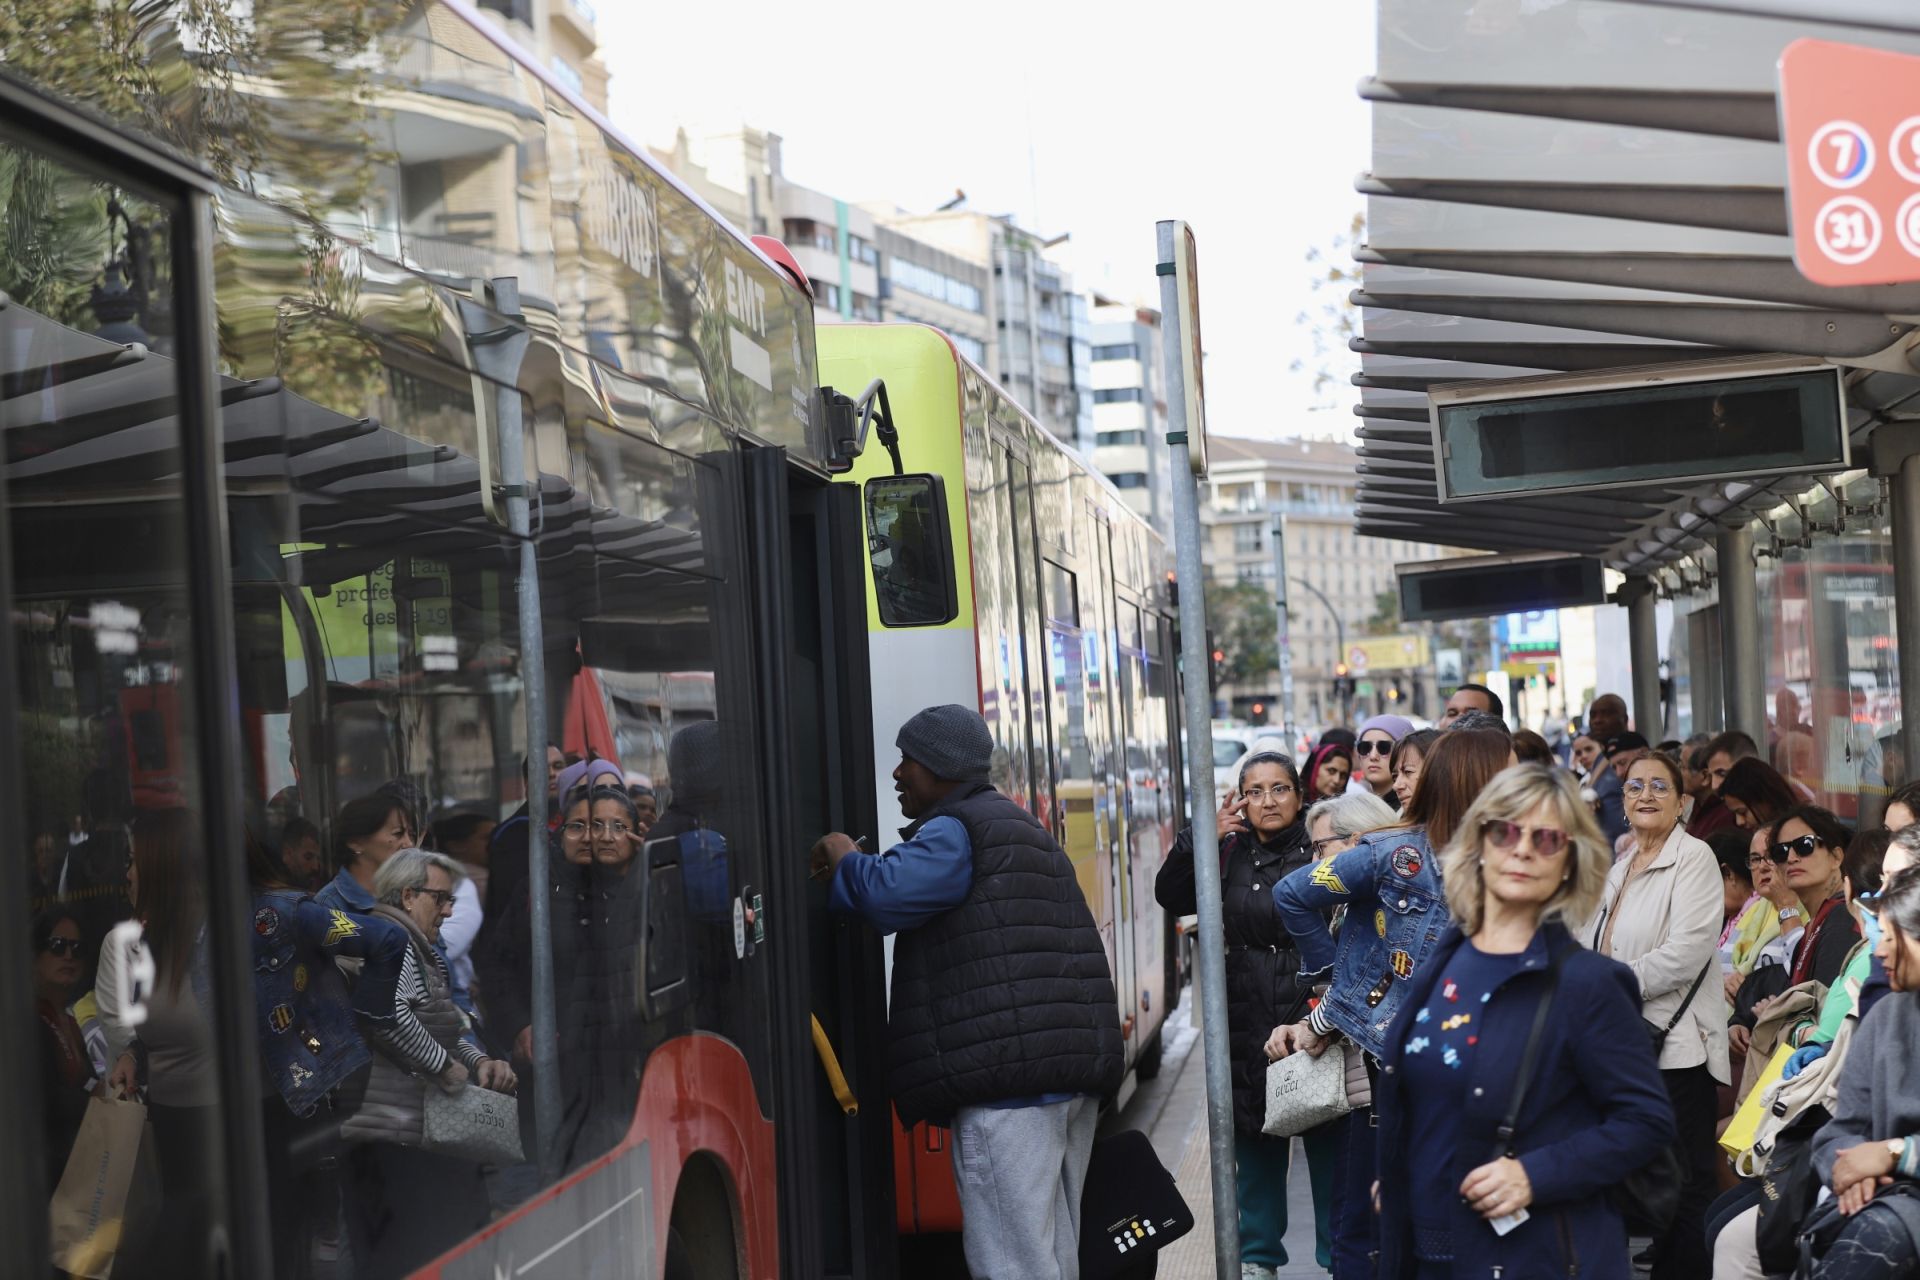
(1596, 1109)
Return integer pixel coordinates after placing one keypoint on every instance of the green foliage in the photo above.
(1245, 628)
(1385, 620)
(53, 237)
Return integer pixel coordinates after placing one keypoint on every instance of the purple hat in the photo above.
(1397, 727)
(585, 773)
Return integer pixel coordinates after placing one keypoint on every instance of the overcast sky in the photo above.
(1090, 119)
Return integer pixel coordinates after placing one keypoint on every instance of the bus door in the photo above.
(118, 750)
(806, 548)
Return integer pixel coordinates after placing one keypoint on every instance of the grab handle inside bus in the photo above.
(830, 1063)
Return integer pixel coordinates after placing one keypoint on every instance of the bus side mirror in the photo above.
(910, 545)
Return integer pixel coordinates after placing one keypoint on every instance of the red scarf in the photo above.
(1803, 958)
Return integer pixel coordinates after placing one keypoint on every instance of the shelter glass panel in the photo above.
(1826, 615)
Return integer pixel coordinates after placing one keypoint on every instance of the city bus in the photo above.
(427, 424)
(1061, 634)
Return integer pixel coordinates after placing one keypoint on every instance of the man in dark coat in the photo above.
(1004, 1023)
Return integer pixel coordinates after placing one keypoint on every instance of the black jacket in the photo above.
(1008, 995)
(1261, 960)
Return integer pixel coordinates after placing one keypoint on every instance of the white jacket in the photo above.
(1667, 928)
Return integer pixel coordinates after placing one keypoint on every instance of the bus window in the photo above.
(1026, 568)
(106, 643)
(912, 554)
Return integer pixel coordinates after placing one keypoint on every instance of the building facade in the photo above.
(1130, 408)
(1335, 576)
(860, 268)
(563, 35)
(1040, 329)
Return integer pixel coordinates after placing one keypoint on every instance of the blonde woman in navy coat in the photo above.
(1526, 855)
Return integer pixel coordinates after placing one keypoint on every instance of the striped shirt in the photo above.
(408, 1039)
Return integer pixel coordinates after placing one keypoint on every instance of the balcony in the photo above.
(463, 260)
(579, 15)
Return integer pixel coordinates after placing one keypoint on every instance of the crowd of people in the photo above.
(1556, 985)
(394, 964)
(1553, 977)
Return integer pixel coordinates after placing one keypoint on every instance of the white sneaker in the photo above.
(1254, 1271)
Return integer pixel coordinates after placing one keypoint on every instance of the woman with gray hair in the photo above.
(418, 1203)
(1518, 1085)
(1336, 825)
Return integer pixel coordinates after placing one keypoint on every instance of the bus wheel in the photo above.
(700, 1235)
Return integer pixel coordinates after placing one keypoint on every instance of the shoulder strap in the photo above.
(1681, 1012)
(1531, 1057)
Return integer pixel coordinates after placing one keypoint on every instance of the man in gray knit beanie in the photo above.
(1003, 1023)
(952, 741)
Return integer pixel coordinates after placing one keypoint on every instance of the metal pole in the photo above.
(1206, 840)
(1643, 647)
(1741, 669)
(497, 351)
(1285, 635)
(1903, 491)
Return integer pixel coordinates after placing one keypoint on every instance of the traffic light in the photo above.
(1217, 666)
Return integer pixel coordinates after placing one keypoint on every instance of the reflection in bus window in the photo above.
(907, 540)
(103, 636)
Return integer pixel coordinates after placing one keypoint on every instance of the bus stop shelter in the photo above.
(1600, 184)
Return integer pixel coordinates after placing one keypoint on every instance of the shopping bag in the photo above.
(1130, 1209)
(1746, 1120)
(89, 1204)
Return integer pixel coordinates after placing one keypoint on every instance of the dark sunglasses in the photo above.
(1802, 845)
(61, 946)
(1548, 842)
(1374, 747)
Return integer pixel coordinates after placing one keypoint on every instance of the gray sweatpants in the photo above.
(1021, 1171)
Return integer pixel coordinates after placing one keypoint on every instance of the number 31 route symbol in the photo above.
(1848, 230)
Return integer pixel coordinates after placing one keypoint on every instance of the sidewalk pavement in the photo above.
(1172, 1109)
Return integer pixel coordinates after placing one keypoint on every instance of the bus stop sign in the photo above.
(1850, 120)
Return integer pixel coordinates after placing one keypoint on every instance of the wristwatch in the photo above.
(1896, 1147)
(1788, 913)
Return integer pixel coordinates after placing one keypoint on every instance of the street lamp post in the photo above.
(1340, 640)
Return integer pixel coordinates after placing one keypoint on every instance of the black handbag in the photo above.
(1787, 1192)
(1659, 1034)
(1130, 1209)
(1649, 1197)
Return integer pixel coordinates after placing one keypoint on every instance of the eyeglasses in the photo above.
(61, 946)
(1639, 786)
(1320, 846)
(1756, 859)
(1373, 747)
(1260, 795)
(441, 896)
(1548, 842)
(601, 827)
(1802, 845)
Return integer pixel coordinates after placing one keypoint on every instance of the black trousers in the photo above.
(1680, 1253)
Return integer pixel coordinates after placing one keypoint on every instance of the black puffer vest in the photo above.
(1008, 995)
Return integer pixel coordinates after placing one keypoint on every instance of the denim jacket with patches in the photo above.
(1390, 885)
(304, 1010)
